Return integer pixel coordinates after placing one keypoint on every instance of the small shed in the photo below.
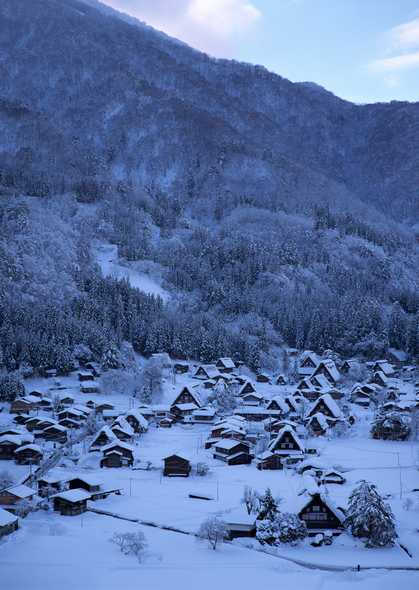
(71, 502)
(8, 522)
(176, 466)
(240, 524)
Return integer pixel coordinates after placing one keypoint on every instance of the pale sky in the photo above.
(362, 50)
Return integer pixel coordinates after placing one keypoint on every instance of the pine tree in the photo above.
(369, 517)
(268, 506)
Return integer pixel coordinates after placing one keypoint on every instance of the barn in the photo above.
(176, 466)
(321, 515)
(71, 502)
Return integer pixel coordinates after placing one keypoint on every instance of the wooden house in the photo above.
(166, 423)
(45, 404)
(397, 358)
(8, 523)
(269, 461)
(103, 406)
(176, 466)
(67, 400)
(181, 412)
(385, 367)
(89, 387)
(233, 452)
(137, 421)
(252, 399)
(94, 368)
(70, 424)
(84, 482)
(349, 364)
(203, 415)
(117, 454)
(48, 484)
(332, 477)
(181, 368)
(246, 388)
(326, 405)
(320, 515)
(21, 406)
(20, 419)
(256, 413)
(71, 502)
(29, 455)
(240, 524)
(318, 424)
(329, 370)
(104, 437)
(85, 376)
(263, 378)
(380, 379)
(287, 444)
(8, 445)
(308, 362)
(186, 396)
(281, 380)
(278, 404)
(122, 430)
(206, 372)
(11, 496)
(55, 433)
(225, 365)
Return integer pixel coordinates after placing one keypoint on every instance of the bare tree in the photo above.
(131, 544)
(250, 499)
(213, 530)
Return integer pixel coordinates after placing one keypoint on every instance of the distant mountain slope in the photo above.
(87, 95)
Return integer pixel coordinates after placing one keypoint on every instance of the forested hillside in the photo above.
(277, 211)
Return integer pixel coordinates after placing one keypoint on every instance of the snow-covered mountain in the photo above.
(273, 211)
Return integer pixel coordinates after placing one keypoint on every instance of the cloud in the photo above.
(404, 61)
(402, 49)
(406, 35)
(214, 26)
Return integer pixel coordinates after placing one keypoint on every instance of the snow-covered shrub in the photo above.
(369, 517)
(283, 528)
(202, 469)
(214, 531)
(131, 544)
(290, 529)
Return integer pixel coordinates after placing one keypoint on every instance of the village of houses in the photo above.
(77, 456)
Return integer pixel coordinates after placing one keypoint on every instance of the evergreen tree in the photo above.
(369, 517)
(268, 506)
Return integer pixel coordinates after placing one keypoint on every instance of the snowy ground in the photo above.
(74, 553)
(78, 554)
(143, 276)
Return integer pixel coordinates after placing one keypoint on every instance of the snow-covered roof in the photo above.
(30, 447)
(226, 362)
(254, 395)
(76, 495)
(139, 417)
(281, 403)
(385, 367)
(186, 407)
(330, 367)
(239, 516)
(321, 419)
(286, 430)
(21, 491)
(89, 479)
(6, 517)
(321, 381)
(117, 443)
(227, 444)
(329, 403)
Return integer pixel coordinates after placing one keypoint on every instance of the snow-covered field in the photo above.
(143, 277)
(51, 551)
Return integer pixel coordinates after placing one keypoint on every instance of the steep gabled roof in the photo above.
(329, 403)
(291, 432)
